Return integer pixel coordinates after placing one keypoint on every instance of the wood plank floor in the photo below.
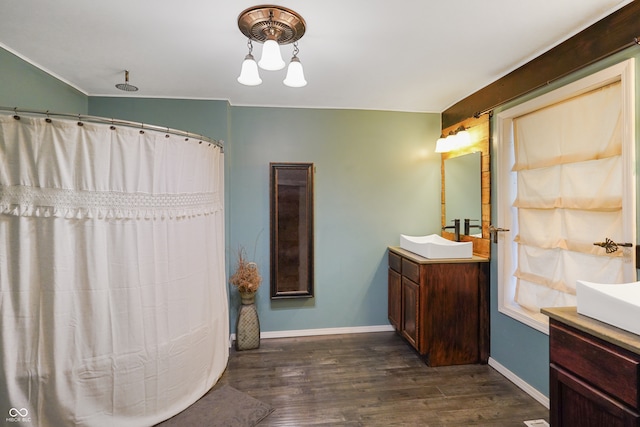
(372, 379)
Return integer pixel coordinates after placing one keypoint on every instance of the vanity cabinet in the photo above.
(594, 372)
(440, 306)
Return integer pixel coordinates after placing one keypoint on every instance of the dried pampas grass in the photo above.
(247, 277)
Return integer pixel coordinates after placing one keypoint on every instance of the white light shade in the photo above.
(295, 74)
(463, 138)
(450, 143)
(453, 142)
(249, 73)
(271, 58)
(441, 145)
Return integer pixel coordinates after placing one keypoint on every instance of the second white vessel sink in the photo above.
(615, 304)
(436, 247)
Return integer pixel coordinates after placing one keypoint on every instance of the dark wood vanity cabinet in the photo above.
(440, 307)
(592, 380)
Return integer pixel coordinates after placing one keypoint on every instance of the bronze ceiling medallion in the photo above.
(260, 23)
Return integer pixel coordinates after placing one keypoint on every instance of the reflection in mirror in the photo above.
(291, 200)
(463, 192)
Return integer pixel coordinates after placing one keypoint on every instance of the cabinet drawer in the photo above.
(411, 270)
(610, 369)
(395, 262)
(580, 404)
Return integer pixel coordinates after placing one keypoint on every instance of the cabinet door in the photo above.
(395, 295)
(410, 311)
(575, 403)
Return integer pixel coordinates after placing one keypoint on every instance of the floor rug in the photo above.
(222, 407)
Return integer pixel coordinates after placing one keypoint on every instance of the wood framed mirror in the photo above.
(479, 130)
(291, 223)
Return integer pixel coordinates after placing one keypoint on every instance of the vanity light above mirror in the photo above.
(455, 140)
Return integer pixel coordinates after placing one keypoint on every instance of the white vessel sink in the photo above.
(436, 247)
(615, 304)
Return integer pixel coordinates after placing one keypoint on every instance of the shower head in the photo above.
(126, 86)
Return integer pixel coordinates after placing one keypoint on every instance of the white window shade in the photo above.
(569, 195)
(586, 127)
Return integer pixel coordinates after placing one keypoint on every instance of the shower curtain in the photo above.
(113, 297)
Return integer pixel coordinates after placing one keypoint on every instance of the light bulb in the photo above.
(295, 74)
(271, 59)
(249, 73)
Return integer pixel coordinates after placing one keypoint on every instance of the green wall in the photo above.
(204, 117)
(376, 177)
(521, 349)
(27, 87)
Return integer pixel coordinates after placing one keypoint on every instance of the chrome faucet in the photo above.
(456, 228)
(468, 226)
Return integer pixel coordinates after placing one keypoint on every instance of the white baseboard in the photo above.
(316, 332)
(526, 387)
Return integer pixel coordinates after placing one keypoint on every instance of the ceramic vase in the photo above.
(248, 325)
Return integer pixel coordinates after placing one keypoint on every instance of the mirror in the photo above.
(291, 211)
(463, 191)
(478, 178)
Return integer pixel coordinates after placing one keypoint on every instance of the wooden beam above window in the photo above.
(610, 35)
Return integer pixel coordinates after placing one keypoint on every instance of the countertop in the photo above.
(570, 316)
(422, 260)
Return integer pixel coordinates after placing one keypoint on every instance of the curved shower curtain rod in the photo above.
(138, 125)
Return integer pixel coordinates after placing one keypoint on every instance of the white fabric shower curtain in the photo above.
(113, 297)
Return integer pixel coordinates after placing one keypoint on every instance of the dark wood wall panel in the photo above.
(611, 34)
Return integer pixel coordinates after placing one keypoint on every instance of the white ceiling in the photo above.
(405, 55)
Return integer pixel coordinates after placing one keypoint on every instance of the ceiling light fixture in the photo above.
(126, 86)
(273, 26)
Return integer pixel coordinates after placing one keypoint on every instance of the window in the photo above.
(565, 180)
